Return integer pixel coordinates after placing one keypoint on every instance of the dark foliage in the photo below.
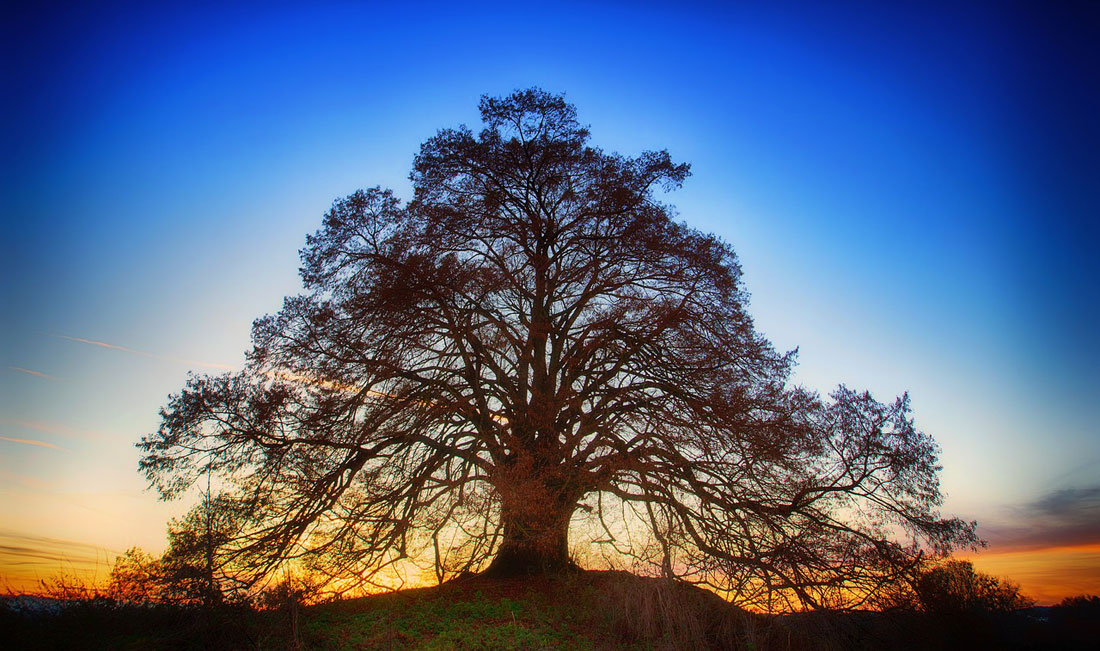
(106, 624)
(1077, 620)
(955, 587)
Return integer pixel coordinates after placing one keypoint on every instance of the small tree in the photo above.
(955, 587)
(137, 577)
(199, 565)
(533, 342)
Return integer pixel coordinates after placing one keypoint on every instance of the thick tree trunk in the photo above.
(536, 533)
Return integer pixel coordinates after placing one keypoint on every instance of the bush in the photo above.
(955, 587)
(1076, 621)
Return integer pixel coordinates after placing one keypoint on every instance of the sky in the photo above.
(912, 194)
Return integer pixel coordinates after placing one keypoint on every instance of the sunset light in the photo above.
(794, 304)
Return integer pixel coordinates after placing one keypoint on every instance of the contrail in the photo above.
(41, 444)
(178, 360)
(28, 371)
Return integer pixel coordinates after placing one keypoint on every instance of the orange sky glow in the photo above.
(1047, 575)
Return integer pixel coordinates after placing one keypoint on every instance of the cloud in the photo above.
(1060, 518)
(142, 353)
(20, 369)
(1069, 501)
(42, 444)
(55, 548)
(27, 559)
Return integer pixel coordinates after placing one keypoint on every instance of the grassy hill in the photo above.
(583, 610)
(586, 610)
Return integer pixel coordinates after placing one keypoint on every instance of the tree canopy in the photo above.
(533, 346)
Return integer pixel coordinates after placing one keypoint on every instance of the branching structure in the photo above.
(533, 341)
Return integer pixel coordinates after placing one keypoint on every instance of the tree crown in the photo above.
(532, 343)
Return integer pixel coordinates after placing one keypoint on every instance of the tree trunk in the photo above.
(536, 533)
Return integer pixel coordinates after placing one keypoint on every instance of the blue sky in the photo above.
(912, 192)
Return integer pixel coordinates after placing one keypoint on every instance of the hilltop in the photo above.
(575, 610)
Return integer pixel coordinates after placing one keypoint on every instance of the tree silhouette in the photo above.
(198, 566)
(954, 587)
(533, 342)
(196, 569)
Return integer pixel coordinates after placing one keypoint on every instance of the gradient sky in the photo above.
(913, 195)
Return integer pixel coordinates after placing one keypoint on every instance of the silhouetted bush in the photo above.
(955, 587)
(137, 577)
(1076, 621)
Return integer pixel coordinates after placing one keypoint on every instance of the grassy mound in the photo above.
(582, 610)
(578, 610)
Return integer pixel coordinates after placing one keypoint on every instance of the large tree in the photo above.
(532, 342)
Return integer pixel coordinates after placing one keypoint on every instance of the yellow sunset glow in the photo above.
(1048, 574)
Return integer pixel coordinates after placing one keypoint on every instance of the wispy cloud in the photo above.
(55, 548)
(142, 353)
(26, 559)
(20, 369)
(41, 444)
(1064, 517)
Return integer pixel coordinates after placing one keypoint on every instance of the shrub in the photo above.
(956, 587)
